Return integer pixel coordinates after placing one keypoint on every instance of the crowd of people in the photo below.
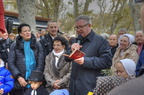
(35, 65)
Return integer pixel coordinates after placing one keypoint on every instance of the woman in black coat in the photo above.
(25, 55)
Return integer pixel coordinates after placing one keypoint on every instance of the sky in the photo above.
(93, 6)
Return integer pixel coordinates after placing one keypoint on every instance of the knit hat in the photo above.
(60, 92)
(129, 66)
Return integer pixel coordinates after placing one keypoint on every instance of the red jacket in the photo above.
(2, 23)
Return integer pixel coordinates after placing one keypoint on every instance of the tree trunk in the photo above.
(56, 9)
(135, 15)
(116, 19)
(26, 9)
(75, 8)
(86, 6)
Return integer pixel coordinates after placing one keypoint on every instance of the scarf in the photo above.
(57, 56)
(130, 37)
(57, 62)
(30, 61)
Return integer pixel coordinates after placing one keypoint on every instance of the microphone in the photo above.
(79, 39)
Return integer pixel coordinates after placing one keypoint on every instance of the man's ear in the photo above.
(90, 25)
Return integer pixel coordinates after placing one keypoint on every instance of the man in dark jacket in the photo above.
(25, 55)
(52, 28)
(139, 41)
(85, 70)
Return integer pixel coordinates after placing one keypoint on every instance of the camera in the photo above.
(138, 1)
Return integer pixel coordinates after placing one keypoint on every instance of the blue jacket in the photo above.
(140, 63)
(6, 80)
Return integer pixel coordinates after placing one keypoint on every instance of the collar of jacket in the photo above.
(90, 36)
(20, 43)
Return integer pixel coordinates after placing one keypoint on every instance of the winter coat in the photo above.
(40, 91)
(53, 73)
(140, 63)
(3, 51)
(97, 57)
(113, 49)
(16, 59)
(107, 83)
(6, 80)
(130, 53)
(132, 87)
(47, 44)
(142, 47)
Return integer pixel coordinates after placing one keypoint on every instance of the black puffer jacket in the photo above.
(3, 51)
(16, 57)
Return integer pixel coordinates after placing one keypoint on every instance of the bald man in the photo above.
(139, 41)
(113, 42)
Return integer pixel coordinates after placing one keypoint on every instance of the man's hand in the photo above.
(1, 91)
(55, 84)
(22, 81)
(75, 46)
(80, 61)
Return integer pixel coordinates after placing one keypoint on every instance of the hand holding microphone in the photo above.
(77, 44)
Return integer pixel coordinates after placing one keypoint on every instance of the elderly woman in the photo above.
(125, 70)
(125, 50)
(57, 70)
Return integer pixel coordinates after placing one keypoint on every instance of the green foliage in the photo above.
(106, 72)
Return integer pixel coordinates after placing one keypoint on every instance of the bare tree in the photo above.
(119, 8)
(102, 5)
(26, 9)
(49, 8)
(135, 14)
(76, 12)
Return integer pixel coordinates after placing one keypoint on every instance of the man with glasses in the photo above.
(25, 55)
(97, 57)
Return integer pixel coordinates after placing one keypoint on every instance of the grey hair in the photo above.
(50, 22)
(43, 30)
(140, 31)
(85, 18)
(122, 29)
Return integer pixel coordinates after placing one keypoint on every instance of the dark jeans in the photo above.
(17, 92)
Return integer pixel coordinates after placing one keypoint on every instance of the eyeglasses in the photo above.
(56, 45)
(80, 27)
